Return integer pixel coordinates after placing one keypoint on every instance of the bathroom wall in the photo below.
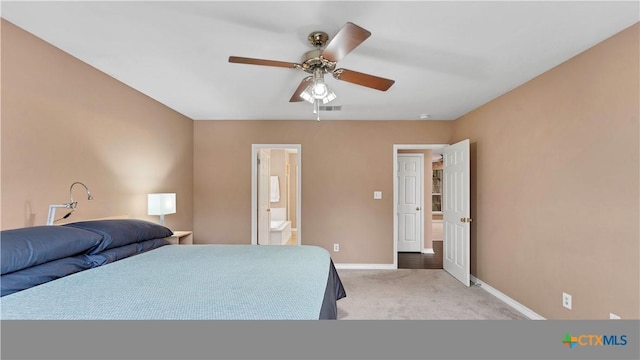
(278, 168)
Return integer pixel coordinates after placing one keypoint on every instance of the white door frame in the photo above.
(420, 200)
(397, 147)
(254, 188)
(263, 184)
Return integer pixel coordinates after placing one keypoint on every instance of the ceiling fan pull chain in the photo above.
(316, 109)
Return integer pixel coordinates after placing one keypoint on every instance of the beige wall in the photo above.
(555, 170)
(555, 186)
(343, 162)
(64, 121)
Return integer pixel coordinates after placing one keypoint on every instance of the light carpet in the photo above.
(416, 294)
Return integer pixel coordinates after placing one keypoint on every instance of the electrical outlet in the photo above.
(336, 247)
(566, 300)
(614, 316)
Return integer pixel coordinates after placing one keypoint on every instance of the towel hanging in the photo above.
(275, 189)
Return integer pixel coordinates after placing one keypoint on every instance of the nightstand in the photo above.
(181, 238)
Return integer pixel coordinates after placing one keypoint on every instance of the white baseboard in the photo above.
(509, 301)
(428, 251)
(366, 266)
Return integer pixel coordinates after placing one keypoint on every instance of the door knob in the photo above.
(417, 209)
(268, 209)
(466, 220)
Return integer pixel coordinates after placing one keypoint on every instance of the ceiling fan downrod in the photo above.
(318, 38)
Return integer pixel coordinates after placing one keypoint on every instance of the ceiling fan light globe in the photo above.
(307, 95)
(319, 90)
(330, 97)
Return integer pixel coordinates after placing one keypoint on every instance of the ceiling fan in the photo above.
(323, 60)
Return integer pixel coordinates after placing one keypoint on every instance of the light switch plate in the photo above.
(377, 195)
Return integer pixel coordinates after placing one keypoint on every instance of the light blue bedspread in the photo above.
(186, 282)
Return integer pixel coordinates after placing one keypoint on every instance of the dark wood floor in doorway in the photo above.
(411, 260)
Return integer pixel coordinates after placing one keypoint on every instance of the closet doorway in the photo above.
(276, 194)
(455, 200)
(425, 209)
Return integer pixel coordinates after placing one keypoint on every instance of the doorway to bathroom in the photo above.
(276, 194)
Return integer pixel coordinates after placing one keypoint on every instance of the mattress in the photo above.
(195, 282)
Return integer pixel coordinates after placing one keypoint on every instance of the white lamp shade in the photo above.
(161, 204)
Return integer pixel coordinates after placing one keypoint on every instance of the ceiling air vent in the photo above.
(330, 108)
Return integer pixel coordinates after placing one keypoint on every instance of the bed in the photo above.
(125, 269)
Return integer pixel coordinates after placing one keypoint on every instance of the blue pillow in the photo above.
(31, 246)
(40, 274)
(121, 252)
(120, 232)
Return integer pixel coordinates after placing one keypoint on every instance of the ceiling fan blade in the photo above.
(252, 61)
(363, 79)
(347, 39)
(303, 85)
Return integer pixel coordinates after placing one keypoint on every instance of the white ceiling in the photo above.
(447, 57)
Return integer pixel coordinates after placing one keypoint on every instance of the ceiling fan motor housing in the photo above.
(313, 59)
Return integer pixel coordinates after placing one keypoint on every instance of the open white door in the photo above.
(456, 211)
(264, 214)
